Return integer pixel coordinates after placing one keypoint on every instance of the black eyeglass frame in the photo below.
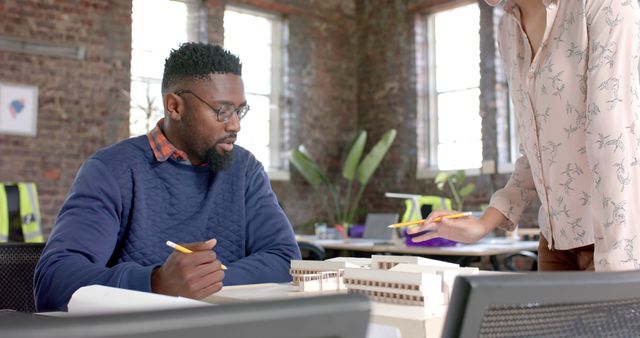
(221, 114)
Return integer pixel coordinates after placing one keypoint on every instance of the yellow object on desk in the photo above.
(185, 250)
(437, 219)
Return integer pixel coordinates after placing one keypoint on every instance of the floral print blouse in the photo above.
(577, 105)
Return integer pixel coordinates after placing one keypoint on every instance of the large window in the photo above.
(157, 27)
(449, 134)
(258, 39)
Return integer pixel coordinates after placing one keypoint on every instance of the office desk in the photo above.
(461, 253)
(98, 300)
(387, 320)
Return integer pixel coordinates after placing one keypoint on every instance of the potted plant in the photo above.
(337, 198)
(455, 182)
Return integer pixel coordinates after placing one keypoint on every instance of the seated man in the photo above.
(185, 182)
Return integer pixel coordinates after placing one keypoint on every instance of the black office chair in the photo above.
(521, 261)
(17, 265)
(310, 251)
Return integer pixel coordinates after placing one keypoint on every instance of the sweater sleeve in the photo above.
(270, 241)
(82, 242)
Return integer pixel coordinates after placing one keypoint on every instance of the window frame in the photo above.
(196, 32)
(427, 96)
(507, 162)
(278, 169)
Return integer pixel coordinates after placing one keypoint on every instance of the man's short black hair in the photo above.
(198, 60)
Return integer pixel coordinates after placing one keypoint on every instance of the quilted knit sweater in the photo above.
(124, 205)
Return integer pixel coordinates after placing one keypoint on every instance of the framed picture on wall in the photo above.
(18, 109)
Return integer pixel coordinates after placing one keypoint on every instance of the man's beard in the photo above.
(218, 162)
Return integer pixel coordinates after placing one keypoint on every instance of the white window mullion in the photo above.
(152, 40)
(276, 89)
(433, 94)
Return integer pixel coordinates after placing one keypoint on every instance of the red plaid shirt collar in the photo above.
(162, 148)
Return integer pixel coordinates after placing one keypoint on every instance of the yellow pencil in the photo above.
(185, 250)
(437, 219)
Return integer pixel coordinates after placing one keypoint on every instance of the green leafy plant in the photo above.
(357, 172)
(455, 182)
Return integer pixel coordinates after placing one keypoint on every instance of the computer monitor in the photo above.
(552, 304)
(376, 226)
(339, 316)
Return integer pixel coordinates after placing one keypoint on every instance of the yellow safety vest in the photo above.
(29, 213)
(412, 212)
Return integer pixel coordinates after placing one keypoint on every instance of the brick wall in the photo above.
(80, 107)
(387, 95)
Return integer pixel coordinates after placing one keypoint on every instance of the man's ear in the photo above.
(174, 106)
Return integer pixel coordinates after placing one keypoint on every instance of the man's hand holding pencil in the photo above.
(192, 271)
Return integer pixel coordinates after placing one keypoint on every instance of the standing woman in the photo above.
(572, 69)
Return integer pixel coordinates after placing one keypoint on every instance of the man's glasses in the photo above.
(224, 113)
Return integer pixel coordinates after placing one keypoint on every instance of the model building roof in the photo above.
(358, 261)
(410, 260)
(321, 265)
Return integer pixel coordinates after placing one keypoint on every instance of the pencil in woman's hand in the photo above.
(437, 219)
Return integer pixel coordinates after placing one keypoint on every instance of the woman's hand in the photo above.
(465, 230)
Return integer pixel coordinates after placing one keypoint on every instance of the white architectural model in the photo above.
(314, 276)
(382, 262)
(410, 293)
(357, 261)
(396, 287)
(402, 280)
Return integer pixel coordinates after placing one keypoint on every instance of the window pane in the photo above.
(459, 134)
(458, 117)
(152, 37)
(249, 34)
(152, 40)
(146, 106)
(457, 48)
(467, 154)
(254, 134)
(456, 52)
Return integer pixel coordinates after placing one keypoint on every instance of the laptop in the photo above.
(376, 229)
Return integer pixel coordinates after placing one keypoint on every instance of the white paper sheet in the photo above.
(100, 299)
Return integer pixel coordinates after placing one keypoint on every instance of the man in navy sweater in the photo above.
(186, 182)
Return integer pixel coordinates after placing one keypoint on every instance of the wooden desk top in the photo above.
(488, 247)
